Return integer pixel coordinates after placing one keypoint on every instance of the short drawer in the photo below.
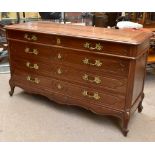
(32, 66)
(30, 79)
(88, 95)
(33, 37)
(28, 50)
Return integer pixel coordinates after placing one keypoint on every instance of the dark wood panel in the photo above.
(138, 83)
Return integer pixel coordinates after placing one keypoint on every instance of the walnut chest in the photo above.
(99, 69)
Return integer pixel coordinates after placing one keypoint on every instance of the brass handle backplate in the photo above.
(33, 80)
(97, 63)
(97, 47)
(96, 79)
(34, 51)
(32, 66)
(30, 37)
(91, 95)
(58, 41)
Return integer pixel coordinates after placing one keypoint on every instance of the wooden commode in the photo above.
(102, 70)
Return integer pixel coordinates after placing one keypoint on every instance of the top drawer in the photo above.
(73, 42)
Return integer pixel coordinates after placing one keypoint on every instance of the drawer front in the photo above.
(92, 62)
(34, 37)
(72, 42)
(96, 46)
(87, 78)
(88, 95)
(28, 50)
(32, 66)
(30, 79)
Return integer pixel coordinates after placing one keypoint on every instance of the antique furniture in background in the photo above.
(3, 42)
(102, 70)
(151, 57)
(3, 50)
(105, 19)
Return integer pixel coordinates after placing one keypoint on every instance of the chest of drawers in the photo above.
(101, 70)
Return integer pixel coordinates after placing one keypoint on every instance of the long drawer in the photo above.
(99, 80)
(82, 93)
(77, 59)
(70, 42)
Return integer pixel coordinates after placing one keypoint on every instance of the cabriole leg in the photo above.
(12, 88)
(140, 106)
(125, 122)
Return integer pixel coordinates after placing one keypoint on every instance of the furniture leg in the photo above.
(140, 106)
(12, 88)
(125, 122)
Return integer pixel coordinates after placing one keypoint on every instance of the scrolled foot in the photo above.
(125, 132)
(125, 122)
(11, 91)
(140, 108)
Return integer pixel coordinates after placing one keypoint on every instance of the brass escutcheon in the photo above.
(59, 71)
(58, 41)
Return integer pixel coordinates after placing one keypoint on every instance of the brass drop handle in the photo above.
(33, 80)
(90, 95)
(97, 63)
(34, 51)
(98, 46)
(32, 66)
(30, 37)
(95, 79)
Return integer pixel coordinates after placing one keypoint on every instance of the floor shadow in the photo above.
(72, 110)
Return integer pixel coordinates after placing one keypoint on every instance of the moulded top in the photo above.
(128, 36)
